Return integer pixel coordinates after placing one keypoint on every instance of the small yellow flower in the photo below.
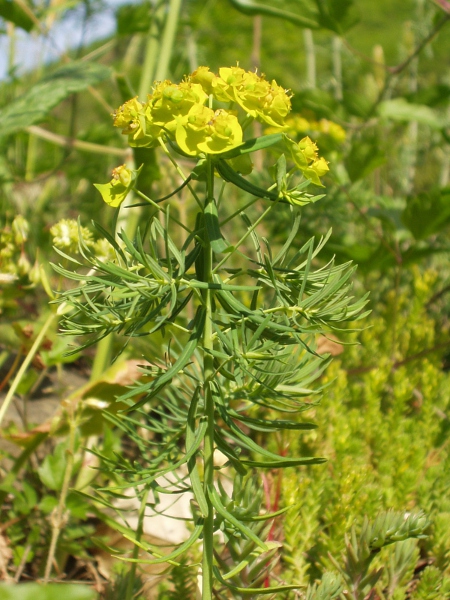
(318, 169)
(135, 121)
(204, 77)
(306, 157)
(127, 115)
(262, 100)
(332, 129)
(276, 107)
(169, 102)
(204, 130)
(115, 192)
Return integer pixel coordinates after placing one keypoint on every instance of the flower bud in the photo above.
(20, 228)
(23, 265)
(35, 274)
(122, 182)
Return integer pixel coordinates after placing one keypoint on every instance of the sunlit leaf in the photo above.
(35, 104)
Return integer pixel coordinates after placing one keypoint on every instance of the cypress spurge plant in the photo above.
(242, 367)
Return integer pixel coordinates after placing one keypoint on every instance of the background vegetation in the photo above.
(371, 83)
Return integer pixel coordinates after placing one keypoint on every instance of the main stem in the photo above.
(208, 373)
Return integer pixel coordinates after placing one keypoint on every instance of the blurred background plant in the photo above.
(371, 83)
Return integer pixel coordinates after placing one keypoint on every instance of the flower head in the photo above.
(169, 102)
(203, 77)
(260, 99)
(277, 105)
(208, 131)
(66, 235)
(115, 192)
(20, 229)
(179, 111)
(136, 122)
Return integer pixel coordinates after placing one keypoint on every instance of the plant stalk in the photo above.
(59, 516)
(139, 532)
(152, 47)
(26, 363)
(337, 67)
(168, 39)
(208, 373)
(310, 52)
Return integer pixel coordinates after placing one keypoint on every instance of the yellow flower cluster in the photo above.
(183, 113)
(180, 111)
(267, 102)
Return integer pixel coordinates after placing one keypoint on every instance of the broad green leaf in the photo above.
(35, 104)
(401, 110)
(51, 471)
(13, 12)
(52, 591)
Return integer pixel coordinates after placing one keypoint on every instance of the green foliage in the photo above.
(383, 432)
(133, 18)
(428, 213)
(383, 420)
(15, 13)
(35, 105)
(28, 591)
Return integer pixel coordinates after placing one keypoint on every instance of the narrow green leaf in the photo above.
(220, 508)
(265, 141)
(253, 591)
(271, 425)
(155, 386)
(251, 8)
(216, 239)
(154, 549)
(196, 483)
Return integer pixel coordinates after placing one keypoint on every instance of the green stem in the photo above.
(310, 52)
(168, 39)
(337, 67)
(26, 363)
(102, 359)
(208, 374)
(59, 517)
(151, 54)
(139, 531)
